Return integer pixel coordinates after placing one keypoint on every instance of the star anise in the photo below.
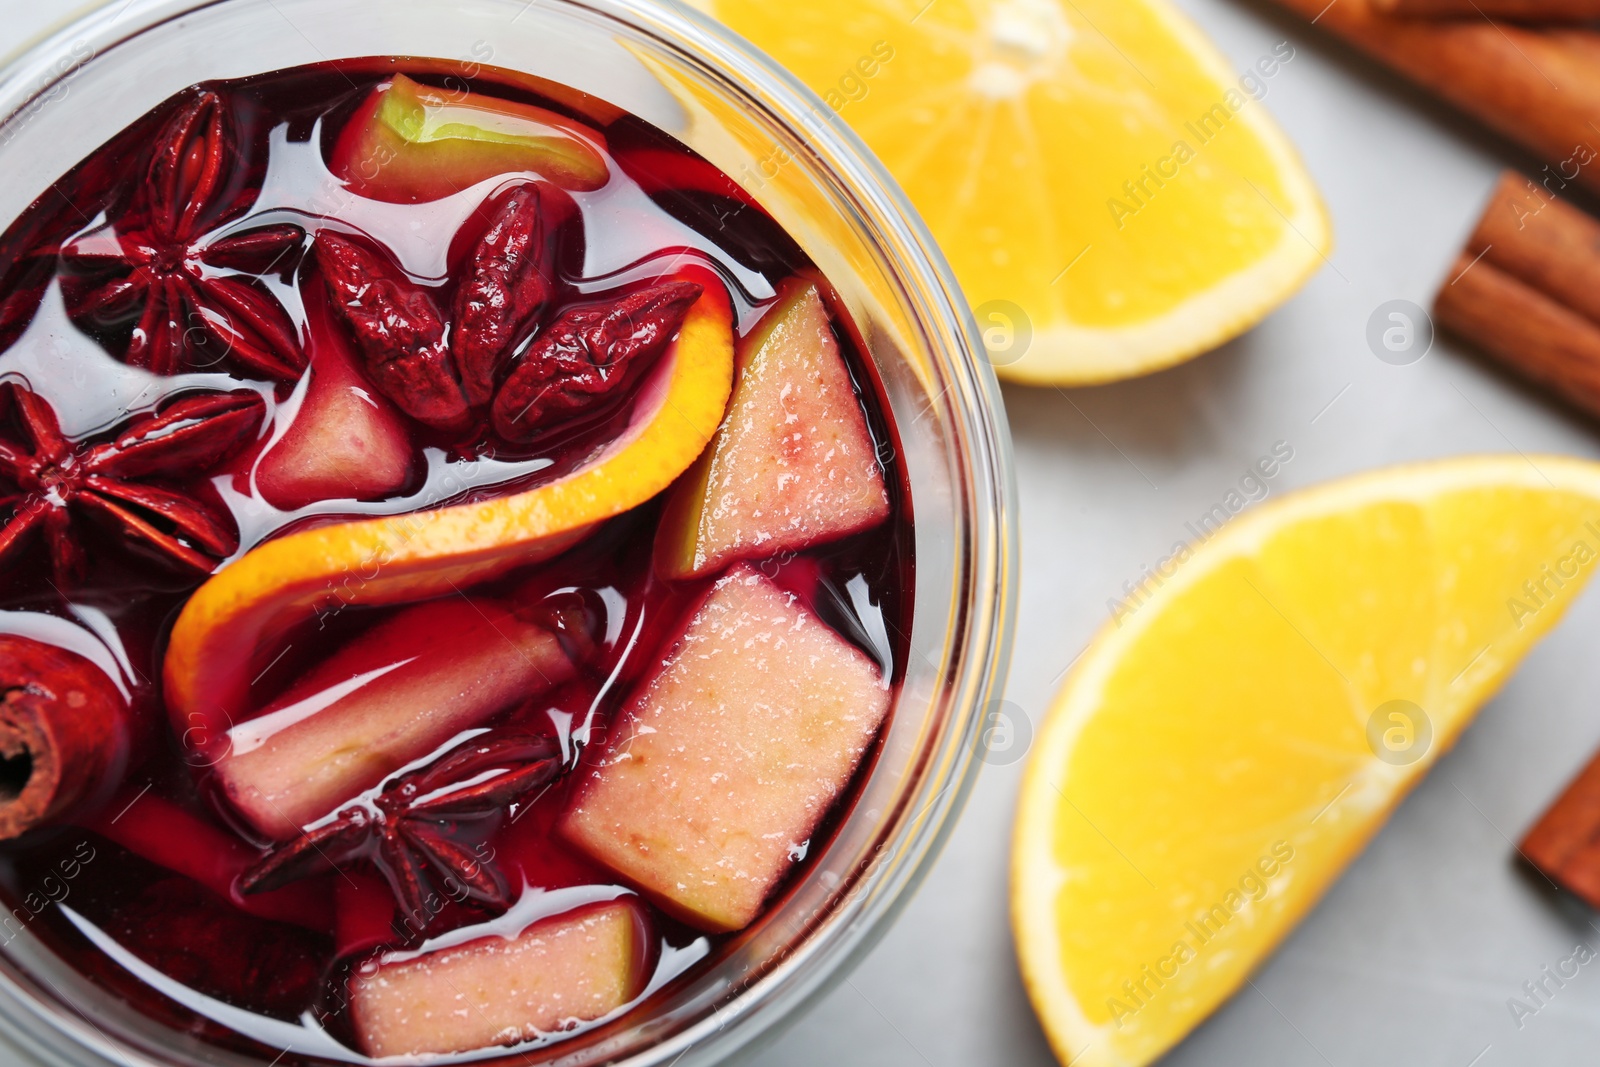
(589, 353)
(48, 481)
(505, 288)
(438, 369)
(164, 263)
(412, 828)
(399, 329)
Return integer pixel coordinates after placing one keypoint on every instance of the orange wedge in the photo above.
(235, 623)
(1235, 738)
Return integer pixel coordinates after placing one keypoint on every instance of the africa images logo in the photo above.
(1254, 487)
(1199, 932)
(1139, 191)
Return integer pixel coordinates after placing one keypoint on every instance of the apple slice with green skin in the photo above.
(575, 967)
(730, 755)
(347, 440)
(409, 143)
(793, 464)
(393, 695)
(591, 109)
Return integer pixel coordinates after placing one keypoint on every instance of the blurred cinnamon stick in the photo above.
(1565, 843)
(1539, 87)
(1526, 290)
(1516, 10)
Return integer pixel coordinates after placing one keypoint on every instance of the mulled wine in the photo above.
(455, 563)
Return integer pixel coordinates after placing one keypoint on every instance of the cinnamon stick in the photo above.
(1515, 10)
(1565, 843)
(64, 735)
(1526, 290)
(1525, 331)
(1539, 87)
(1544, 240)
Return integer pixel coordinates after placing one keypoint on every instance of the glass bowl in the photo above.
(63, 96)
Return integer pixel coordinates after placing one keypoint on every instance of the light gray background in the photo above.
(1412, 956)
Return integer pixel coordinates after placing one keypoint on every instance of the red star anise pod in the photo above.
(402, 332)
(195, 302)
(505, 289)
(439, 370)
(588, 352)
(410, 829)
(50, 480)
(399, 329)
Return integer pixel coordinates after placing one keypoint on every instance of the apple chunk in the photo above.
(410, 143)
(499, 991)
(347, 440)
(729, 756)
(391, 696)
(792, 465)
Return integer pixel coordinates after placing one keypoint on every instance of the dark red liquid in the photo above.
(660, 205)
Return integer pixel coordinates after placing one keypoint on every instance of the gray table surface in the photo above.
(1412, 957)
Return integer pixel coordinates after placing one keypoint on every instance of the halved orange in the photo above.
(236, 619)
(1110, 190)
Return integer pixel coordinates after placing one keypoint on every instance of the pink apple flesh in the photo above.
(411, 143)
(347, 440)
(498, 991)
(391, 696)
(793, 464)
(733, 751)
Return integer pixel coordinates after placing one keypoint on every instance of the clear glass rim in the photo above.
(978, 649)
